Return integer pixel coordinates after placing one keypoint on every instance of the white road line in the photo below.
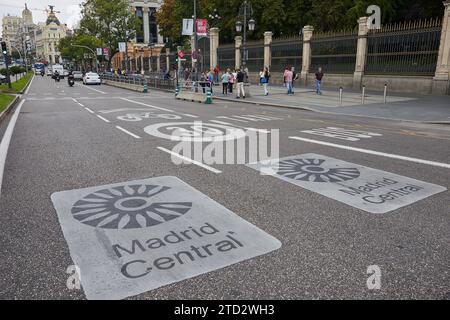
(236, 126)
(80, 104)
(31, 82)
(89, 110)
(376, 153)
(189, 115)
(74, 100)
(147, 105)
(85, 86)
(128, 132)
(4, 145)
(106, 120)
(204, 166)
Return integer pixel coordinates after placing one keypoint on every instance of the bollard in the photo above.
(385, 93)
(340, 95)
(177, 91)
(208, 96)
(363, 96)
(145, 86)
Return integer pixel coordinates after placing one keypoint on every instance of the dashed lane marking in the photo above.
(204, 166)
(128, 132)
(104, 119)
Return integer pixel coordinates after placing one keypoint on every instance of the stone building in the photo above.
(148, 43)
(48, 35)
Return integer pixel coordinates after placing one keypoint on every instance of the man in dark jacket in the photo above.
(319, 76)
(240, 83)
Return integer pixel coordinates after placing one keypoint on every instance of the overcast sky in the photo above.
(70, 9)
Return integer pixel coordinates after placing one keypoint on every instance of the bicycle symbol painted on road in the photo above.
(148, 115)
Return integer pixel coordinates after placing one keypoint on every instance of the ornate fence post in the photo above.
(441, 80)
(361, 52)
(158, 49)
(237, 49)
(167, 59)
(213, 45)
(267, 49)
(306, 60)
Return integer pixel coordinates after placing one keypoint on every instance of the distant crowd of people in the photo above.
(230, 79)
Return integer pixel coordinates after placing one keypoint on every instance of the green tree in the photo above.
(109, 21)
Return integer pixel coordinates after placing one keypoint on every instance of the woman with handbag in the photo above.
(265, 81)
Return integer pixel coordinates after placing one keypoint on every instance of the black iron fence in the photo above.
(335, 52)
(409, 48)
(286, 52)
(226, 56)
(255, 56)
(152, 82)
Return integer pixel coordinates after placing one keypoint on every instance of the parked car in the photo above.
(77, 75)
(65, 72)
(91, 78)
(2, 79)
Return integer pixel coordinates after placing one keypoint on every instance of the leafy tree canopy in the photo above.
(289, 16)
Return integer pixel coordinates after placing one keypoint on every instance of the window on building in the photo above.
(140, 31)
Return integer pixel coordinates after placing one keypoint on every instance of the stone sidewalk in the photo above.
(402, 107)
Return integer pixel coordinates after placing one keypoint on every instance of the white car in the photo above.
(91, 78)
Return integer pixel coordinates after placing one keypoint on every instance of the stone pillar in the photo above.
(213, 45)
(146, 24)
(179, 61)
(361, 52)
(306, 60)
(267, 49)
(158, 49)
(193, 51)
(237, 47)
(142, 61)
(441, 80)
(168, 59)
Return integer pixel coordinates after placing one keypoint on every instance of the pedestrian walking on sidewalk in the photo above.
(225, 79)
(294, 78)
(319, 76)
(240, 83)
(265, 81)
(261, 77)
(288, 76)
(216, 74)
(230, 81)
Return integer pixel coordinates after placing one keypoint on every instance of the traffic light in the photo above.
(4, 48)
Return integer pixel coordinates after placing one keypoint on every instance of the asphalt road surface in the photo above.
(82, 137)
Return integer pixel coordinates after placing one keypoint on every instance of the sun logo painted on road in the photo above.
(313, 170)
(127, 207)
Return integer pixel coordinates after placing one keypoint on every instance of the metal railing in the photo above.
(152, 82)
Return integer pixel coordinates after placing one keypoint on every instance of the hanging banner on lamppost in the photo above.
(202, 27)
(99, 51)
(122, 46)
(188, 27)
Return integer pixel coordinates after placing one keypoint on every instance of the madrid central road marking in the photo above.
(106, 120)
(376, 153)
(4, 145)
(204, 166)
(131, 237)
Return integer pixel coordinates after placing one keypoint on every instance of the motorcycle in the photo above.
(71, 82)
(42, 73)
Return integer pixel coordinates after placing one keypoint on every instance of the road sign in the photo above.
(99, 51)
(181, 54)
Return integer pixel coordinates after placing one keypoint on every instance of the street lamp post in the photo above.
(246, 12)
(93, 52)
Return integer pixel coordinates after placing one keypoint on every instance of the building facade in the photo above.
(144, 50)
(48, 35)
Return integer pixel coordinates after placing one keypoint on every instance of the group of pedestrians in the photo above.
(231, 79)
